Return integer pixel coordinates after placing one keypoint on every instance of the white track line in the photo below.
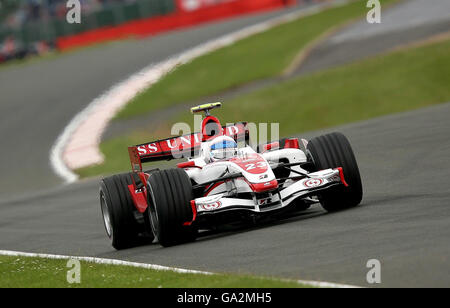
(78, 145)
(9, 253)
(321, 284)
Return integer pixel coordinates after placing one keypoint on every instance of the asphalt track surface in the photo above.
(403, 220)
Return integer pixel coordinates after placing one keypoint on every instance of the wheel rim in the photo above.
(153, 214)
(106, 216)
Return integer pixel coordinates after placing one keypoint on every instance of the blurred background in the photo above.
(34, 27)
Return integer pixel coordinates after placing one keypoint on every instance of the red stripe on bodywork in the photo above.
(341, 174)
(263, 187)
(139, 199)
(194, 214)
(271, 146)
(188, 164)
(292, 144)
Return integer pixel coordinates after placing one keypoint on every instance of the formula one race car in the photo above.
(224, 180)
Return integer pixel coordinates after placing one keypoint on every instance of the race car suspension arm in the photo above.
(295, 178)
(288, 166)
(306, 166)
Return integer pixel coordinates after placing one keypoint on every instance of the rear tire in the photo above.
(333, 151)
(120, 214)
(170, 193)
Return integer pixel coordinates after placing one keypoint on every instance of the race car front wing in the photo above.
(311, 185)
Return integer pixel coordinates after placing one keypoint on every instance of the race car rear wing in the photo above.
(186, 146)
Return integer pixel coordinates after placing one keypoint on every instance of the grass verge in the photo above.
(24, 272)
(396, 82)
(260, 56)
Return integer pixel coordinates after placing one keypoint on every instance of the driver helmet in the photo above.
(223, 148)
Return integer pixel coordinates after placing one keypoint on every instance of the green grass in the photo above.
(260, 56)
(387, 84)
(400, 81)
(20, 272)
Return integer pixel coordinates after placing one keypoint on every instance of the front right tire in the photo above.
(333, 151)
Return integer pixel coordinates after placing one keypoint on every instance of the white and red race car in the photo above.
(224, 180)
